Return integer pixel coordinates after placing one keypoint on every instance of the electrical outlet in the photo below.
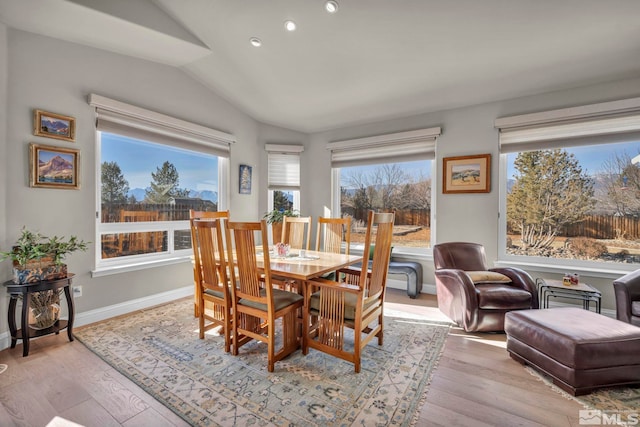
(77, 291)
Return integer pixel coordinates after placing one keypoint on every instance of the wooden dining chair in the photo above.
(256, 303)
(332, 234)
(356, 302)
(212, 283)
(206, 215)
(296, 232)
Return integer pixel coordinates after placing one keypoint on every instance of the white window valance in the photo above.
(394, 147)
(614, 121)
(129, 120)
(283, 166)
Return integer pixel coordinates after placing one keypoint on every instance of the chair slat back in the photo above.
(296, 232)
(379, 233)
(332, 233)
(209, 249)
(208, 216)
(248, 280)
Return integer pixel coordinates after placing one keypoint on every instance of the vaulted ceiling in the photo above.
(372, 60)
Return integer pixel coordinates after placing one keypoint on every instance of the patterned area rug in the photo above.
(617, 399)
(159, 350)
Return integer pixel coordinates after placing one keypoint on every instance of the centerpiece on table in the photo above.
(35, 258)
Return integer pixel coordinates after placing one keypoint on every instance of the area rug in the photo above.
(613, 399)
(160, 351)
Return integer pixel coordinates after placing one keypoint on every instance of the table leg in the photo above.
(12, 320)
(26, 302)
(71, 308)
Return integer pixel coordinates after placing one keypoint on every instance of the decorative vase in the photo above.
(276, 231)
(44, 309)
(38, 270)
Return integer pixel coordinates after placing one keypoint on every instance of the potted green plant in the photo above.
(36, 257)
(274, 218)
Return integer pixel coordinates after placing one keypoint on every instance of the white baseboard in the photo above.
(104, 313)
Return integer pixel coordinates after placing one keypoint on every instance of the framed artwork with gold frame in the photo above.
(466, 174)
(54, 125)
(54, 167)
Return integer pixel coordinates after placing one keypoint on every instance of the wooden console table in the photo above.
(25, 290)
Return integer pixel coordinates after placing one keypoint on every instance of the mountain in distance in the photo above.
(204, 195)
(54, 126)
(139, 194)
(55, 167)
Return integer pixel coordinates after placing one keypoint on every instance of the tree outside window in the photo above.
(579, 203)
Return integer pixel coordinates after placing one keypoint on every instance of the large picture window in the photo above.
(152, 170)
(146, 192)
(390, 172)
(571, 187)
(402, 187)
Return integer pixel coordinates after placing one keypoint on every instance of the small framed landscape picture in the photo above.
(245, 179)
(53, 167)
(54, 125)
(466, 174)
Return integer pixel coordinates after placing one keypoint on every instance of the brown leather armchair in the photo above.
(474, 296)
(627, 290)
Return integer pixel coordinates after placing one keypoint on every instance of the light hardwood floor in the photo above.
(475, 384)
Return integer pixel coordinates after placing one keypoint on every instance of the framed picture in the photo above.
(245, 179)
(54, 125)
(466, 174)
(53, 167)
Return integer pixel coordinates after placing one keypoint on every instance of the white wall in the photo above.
(465, 131)
(57, 76)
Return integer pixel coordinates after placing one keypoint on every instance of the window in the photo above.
(383, 173)
(149, 176)
(571, 187)
(284, 176)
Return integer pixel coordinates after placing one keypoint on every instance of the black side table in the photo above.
(25, 290)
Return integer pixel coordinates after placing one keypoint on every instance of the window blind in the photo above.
(135, 122)
(395, 147)
(284, 166)
(607, 122)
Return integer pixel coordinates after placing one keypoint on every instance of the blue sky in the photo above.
(592, 157)
(137, 159)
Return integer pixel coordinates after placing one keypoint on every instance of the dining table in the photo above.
(309, 265)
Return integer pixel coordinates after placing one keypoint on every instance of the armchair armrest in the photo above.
(459, 285)
(626, 289)
(521, 279)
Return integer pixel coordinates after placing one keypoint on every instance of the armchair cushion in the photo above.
(479, 277)
(502, 297)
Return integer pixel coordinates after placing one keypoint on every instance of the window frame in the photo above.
(594, 124)
(155, 128)
(386, 149)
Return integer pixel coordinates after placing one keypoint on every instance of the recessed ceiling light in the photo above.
(255, 42)
(331, 6)
(289, 25)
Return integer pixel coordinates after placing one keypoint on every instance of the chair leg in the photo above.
(271, 344)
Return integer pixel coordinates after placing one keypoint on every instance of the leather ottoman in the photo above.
(581, 350)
